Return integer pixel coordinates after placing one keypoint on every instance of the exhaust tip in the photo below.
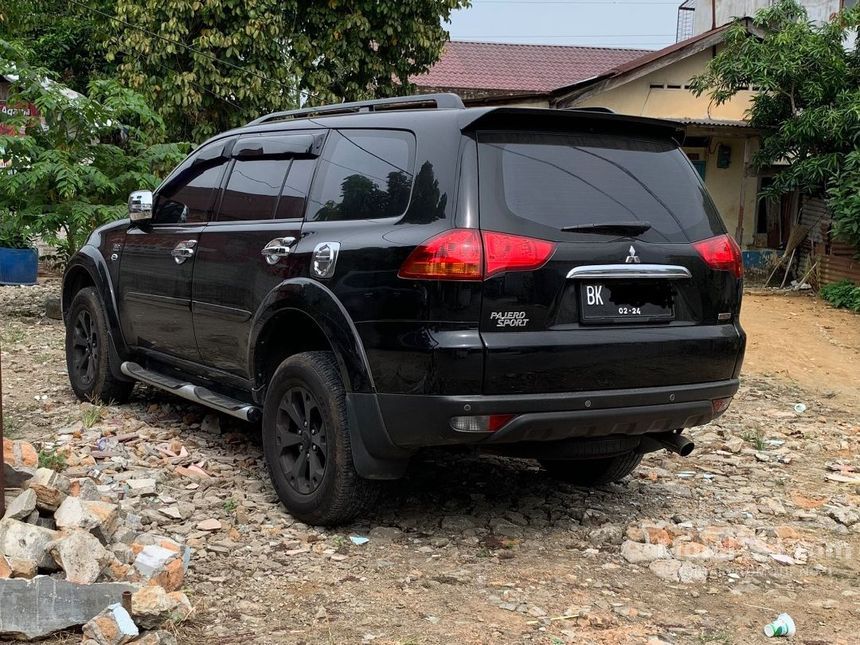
(686, 448)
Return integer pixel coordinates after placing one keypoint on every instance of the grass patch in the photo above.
(720, 637)
(91, 415)
(13, 336)
(11, 430)
(230, 505)
(756, 438)
(49, 458)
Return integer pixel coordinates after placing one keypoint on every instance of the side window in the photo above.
(252, 189)
(189, 196)
(295, 191)
(363, 174)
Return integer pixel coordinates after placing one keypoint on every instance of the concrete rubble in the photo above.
(113, 626)
(20, 461)
(35, 608)
(84, 528)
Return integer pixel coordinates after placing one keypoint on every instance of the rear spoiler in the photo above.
(513, 118)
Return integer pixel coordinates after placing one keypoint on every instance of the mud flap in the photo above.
(373, 453)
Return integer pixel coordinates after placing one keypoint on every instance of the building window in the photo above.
(848, 4)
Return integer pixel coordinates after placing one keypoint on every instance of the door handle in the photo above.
(278, 248)
(183, 251)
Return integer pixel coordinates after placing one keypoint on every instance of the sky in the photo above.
(640, 24)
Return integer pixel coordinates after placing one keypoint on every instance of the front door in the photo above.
(247, 249)
(154, 293)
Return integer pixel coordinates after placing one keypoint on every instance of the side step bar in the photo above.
(196, 393)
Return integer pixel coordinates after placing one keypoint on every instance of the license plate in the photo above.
(619, 302)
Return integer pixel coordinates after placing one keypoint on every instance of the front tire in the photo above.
(306, 442)
(593, 472)
(88, 352)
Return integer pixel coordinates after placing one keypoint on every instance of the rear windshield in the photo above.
(538, 183)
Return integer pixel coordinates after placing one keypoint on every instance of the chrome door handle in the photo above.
(278, 248)
(183, 251)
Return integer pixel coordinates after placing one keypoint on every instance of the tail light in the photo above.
(467, 254)
(722, 253)
(504, 252)
(454, 255)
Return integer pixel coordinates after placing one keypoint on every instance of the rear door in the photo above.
(250, 245)
(625, 300)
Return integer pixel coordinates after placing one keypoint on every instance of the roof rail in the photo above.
(417, 101)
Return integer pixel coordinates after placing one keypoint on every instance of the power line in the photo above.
(180, 44)
(115, 39)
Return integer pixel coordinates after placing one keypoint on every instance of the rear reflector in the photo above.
(467, 254)
(722, 253)
(488, 423)
(721, 405)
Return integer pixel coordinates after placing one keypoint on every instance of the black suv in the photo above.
(369, 279)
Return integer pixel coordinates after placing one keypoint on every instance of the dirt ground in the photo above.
(761, 519)
(796, 338)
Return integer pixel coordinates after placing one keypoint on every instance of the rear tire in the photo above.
(88, 354)
(593, 472)
(306, 443)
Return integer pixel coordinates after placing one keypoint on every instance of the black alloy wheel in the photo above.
(85, 348)
(300, 434)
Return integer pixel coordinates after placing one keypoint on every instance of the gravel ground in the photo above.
(762, 519)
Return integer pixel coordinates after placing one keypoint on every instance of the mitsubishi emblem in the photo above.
(632, 258)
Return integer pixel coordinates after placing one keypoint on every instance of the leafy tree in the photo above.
(208, 66)
(809, 106)
(62, 36)
(70, 164)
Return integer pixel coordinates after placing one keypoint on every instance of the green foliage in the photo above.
(70, 167)
(209, 66)
(14, 234)
(66, 38)
(809, 106)
(842, 294)
(50, 458)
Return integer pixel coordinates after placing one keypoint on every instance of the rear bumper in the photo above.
(415, 421)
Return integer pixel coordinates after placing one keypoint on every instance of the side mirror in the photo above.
(140, 206)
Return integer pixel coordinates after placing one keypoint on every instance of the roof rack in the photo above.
(418, 101)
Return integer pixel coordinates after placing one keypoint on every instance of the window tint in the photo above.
(295, 191)
(537, 183)
(189, 196)
(364, 174)
(252, 189)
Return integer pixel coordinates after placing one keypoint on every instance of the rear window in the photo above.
(538, 183)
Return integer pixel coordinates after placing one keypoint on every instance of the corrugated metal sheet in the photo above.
(834, 268)
(814, 216)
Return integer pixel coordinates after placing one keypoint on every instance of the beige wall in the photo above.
(724, 185)
(639, 98)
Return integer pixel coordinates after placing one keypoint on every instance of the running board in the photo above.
(196, 393)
